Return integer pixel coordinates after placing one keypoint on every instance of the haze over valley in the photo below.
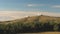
(12, 15)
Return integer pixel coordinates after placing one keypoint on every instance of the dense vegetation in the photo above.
(31, 24)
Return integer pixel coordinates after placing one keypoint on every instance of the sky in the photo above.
(13, 9)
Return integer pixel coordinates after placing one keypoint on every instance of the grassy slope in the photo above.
(41, 18)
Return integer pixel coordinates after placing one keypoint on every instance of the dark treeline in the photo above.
(19, 27)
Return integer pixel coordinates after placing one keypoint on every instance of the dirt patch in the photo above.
(50, 33)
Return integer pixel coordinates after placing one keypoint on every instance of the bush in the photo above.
(20, 27)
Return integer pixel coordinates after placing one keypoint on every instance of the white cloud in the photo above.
(56, 6)
(11, 15)
(30, 5)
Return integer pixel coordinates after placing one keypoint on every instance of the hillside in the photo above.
(41, 18)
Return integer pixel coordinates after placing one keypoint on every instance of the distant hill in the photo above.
(30, 19)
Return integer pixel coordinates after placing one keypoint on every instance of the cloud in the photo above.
(30, 5)
(49, 5)
(12, 15)
(56, 6)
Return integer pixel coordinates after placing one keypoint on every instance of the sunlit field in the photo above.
(42, 33)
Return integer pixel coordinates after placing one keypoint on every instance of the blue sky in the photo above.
(31, 5)
(15, 9)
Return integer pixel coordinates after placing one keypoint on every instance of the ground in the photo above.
(43, 33)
